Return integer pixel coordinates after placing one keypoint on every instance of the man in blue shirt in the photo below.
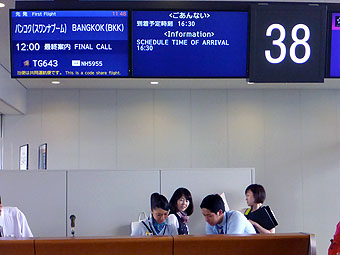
(221, 222)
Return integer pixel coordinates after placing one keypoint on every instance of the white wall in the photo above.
(40, 196)
(291, 137)
(12, 94)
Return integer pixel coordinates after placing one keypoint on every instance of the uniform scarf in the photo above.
(184, 217)
(158, 227)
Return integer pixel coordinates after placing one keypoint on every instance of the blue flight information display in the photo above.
(69, 44)
(189, 44)
(335, 46)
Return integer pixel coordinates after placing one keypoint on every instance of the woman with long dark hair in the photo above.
(181, 207)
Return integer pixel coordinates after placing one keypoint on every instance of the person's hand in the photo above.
(255, 224)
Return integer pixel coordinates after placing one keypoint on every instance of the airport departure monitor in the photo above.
(189, 43)
(69, 43)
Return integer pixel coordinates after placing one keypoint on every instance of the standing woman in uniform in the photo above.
(181, 207)
(255, 196)
(156, 224)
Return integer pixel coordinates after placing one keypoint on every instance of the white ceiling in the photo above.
(129, 83)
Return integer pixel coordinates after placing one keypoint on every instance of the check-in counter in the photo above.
(269, 244)
(16, 246)
(105, 246)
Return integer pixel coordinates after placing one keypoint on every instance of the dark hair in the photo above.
(177, 195)
(258, 191)
(159, 201)
(213, 203)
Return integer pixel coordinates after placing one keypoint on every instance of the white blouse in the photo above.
(14, 223)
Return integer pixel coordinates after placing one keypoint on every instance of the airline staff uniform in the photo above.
(182, 228)
(146, 228)
(233, 222)
(248, 213)
(13, 223)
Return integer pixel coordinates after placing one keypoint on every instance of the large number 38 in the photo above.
(292, 50)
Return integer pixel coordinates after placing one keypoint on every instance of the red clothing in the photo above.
(337, 230)
(335, 243)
